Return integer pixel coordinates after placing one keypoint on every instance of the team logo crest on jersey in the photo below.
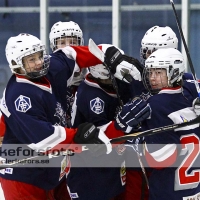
(97, 105)
(22, 103)
(61, 114)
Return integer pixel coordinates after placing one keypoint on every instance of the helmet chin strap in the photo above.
(14, 69)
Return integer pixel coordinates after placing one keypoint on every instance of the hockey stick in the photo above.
(186, 49)
(156, 130)
(114, 140)
(94, 49)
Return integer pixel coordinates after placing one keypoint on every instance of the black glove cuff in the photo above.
(85, 133)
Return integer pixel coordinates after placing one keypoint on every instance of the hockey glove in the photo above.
(196, 106)
(132, 114)
(123, 67)
(95, 139)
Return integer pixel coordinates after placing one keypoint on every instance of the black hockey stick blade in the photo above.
(156, 130)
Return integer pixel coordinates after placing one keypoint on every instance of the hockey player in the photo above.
(34, 116)
(64, 34)
(99, 108)
(155, 38)
(107, 179)
(173, 155)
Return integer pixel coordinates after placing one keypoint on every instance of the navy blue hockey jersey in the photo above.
(173, 154)
(98, 106)
(60, 73)
(24, 104)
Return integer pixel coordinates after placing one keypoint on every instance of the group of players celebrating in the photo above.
(70, 99)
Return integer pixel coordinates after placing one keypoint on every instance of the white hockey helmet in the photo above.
(157, 38)
(65, 29)
(99, 71)
(171, 60)
(21, 46)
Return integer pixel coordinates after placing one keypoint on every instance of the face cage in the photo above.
(43, 71)
(143, 53)
(75, 41)
(45, 68)
(146, 80)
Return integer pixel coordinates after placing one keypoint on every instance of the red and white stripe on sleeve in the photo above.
(60, 140)
(81, 55)
(111, 132)
(164, 157)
